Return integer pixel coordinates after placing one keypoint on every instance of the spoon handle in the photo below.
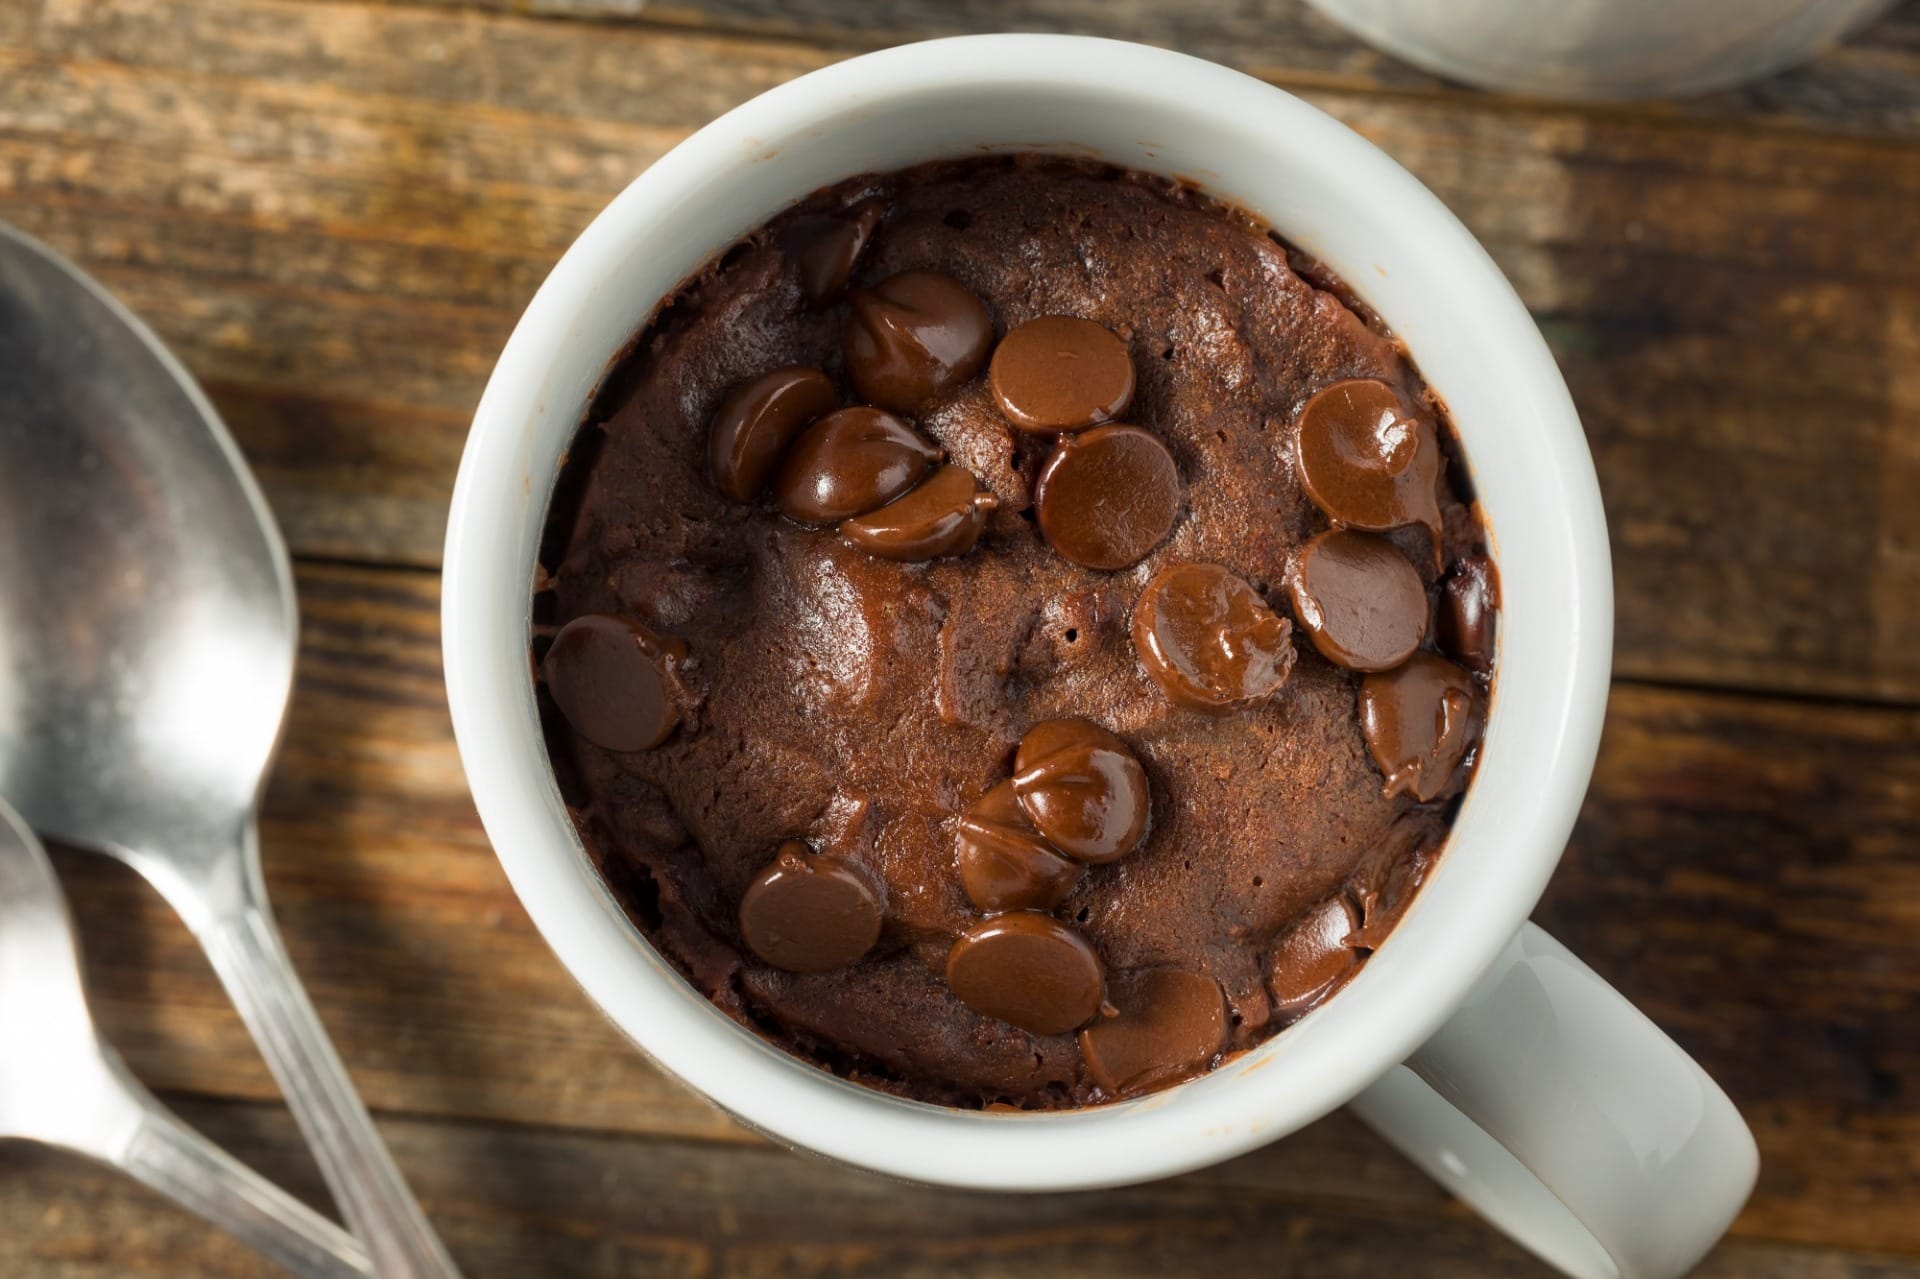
(199, 1176)
(247, 954)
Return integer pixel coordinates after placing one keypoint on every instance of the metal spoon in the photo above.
(62, 1085)
(147, 634)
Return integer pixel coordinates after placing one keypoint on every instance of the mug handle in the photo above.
(1570, 1121)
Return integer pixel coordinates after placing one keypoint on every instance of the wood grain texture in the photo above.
(1743, 871)
(1871, 84)
(518, 1202)
(334, 213)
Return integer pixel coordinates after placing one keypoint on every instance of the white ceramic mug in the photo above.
(1528, 1086)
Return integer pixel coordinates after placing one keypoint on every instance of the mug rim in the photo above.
(1484, 890)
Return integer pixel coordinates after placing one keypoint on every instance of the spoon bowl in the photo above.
(147, 638)
(147, 621)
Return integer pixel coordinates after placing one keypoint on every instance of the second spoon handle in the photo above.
(199, 1176)
(245, 948)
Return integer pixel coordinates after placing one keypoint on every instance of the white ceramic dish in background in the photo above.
(1591, 49)
(1646, 1159)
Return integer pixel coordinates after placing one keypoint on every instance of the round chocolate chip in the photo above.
(1061, 373)
(1004, 863)
(1469, 601)
(942, 516)
(1028, 970)
(1313, 957)
(1421, 722)
(809, 914)
(613, 681)
(1208, 639)
(1165, 1023)
(848, 463)
(755, 424)
(1108, 496)
(915, 336)
(1368, 459)
(825, 246)
(1083, 789)
(1360, 600)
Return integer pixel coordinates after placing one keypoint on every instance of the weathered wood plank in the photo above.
(530, 1202)
(1743, 870)
(1871, 84)
(335, 213)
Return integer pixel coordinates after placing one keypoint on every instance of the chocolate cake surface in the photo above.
(812, 703)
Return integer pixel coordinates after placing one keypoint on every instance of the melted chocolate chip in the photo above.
(825, 246)
(1061, 373)
(613, 681)
(1368, 459)
(809, 914)
(1359, 599)
(1028, 970)
(1108, 496)
(1166, 1023)
(1004, 863)
(1083, 789)
(1389, 876)
(1313, 957)
(1469, 600)
(942, 516)
(755, 424)
(915, 336)
(1208, 639)
(848, 463)
(1421, 722)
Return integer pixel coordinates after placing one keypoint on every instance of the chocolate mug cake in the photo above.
(1014, 632)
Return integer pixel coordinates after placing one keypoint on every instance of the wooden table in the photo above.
(334, 213)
